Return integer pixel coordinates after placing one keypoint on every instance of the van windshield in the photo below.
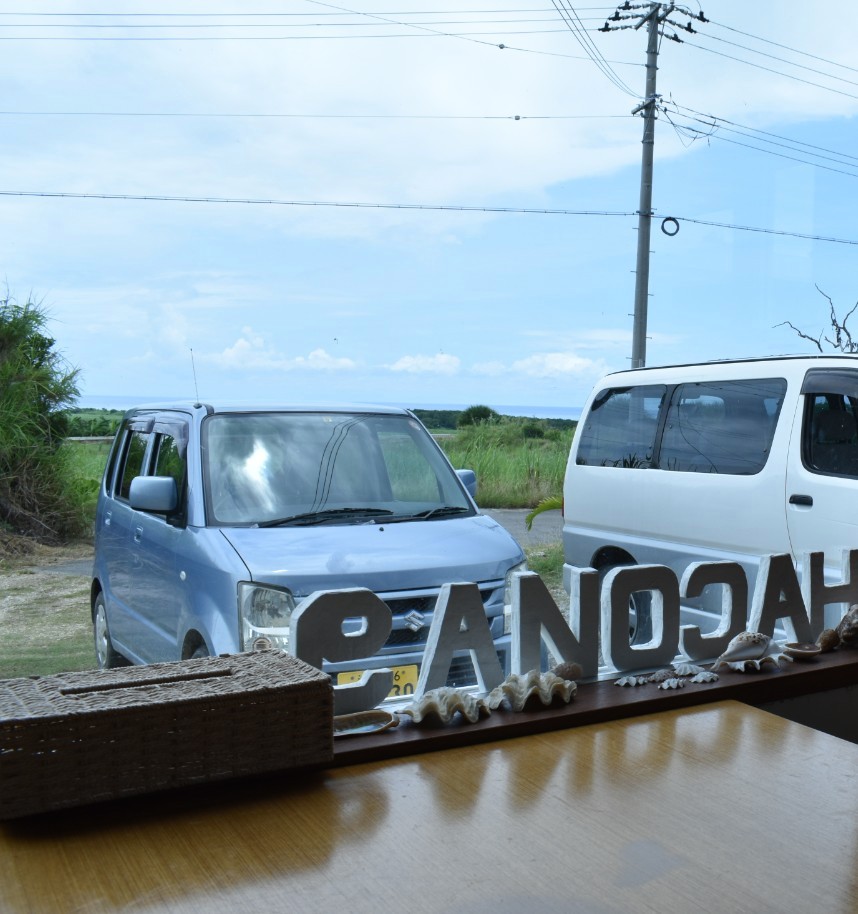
(325, 468)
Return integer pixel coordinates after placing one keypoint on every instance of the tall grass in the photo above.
(84, 463)
(514, 468)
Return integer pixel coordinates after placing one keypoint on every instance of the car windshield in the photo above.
(325, 468)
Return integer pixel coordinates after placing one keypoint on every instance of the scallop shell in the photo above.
(516, 690)
(847, 629)
(704, 676)
(828, 640)
(441, 705)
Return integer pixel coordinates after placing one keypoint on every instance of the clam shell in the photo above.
(674, 683)
(686, 669)
(661, 675)
(704, 676)
(569, 670)
(631, 681)
(516, 690)
(442, 705)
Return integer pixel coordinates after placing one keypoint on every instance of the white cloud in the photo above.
(557, 364)
(251, 353)
(427, 364)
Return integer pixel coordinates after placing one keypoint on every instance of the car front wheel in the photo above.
(106, 655)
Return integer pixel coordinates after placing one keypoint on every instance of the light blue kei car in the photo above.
(215, 522)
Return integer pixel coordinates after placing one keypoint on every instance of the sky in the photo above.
(377, 203)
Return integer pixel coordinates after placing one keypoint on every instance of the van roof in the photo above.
(792, 365)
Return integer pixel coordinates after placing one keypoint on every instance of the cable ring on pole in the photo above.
(670, 223)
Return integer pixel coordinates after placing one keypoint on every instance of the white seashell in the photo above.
(704, 676)
(686, 669)
(661, 675)
(672, 684)
(443, 704)
(631, 681)
(750, 650)
(516, 689)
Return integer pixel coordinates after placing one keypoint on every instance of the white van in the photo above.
(719, 461)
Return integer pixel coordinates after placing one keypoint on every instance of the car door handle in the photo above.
(805, 500)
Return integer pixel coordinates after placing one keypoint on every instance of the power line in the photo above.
(394, 117)
(789, 63)
(714, 132)
(514, 210)
(704, 118)
(758, 66)
(260, 201)
(785, 47)
(570, 17)
(752, 228)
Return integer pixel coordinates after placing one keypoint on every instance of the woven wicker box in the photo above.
(82, 737)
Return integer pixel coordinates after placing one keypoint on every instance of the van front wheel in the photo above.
(640, 610)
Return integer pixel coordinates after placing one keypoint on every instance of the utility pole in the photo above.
(655, 16)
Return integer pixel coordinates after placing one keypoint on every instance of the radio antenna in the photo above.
(194, 370)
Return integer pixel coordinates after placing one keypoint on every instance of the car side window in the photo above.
(169, 459)
(831, 434)
(133, 455)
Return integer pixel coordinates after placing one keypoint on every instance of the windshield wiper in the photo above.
(443, 511)
(308, 518)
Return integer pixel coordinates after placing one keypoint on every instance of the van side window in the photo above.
(831, 434)
(620, 427)
(134, 452)
(721, 427)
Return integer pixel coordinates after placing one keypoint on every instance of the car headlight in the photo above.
(507, 595)
(264, 612)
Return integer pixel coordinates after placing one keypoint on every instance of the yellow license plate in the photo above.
(404, 679)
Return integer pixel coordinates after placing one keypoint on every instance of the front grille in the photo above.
(462, 673)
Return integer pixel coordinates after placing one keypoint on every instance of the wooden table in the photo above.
(720, 807)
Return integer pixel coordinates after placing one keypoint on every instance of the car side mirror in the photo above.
(157, 494)
(469, 480)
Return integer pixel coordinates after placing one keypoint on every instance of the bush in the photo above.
(37, 494)
(475, 415)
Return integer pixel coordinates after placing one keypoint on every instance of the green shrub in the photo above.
(37, 498)
(476, 415)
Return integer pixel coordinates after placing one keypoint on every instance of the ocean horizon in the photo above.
(112, 401)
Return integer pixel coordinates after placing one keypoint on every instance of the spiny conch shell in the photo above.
(704, 676)
(828, 640)
(672, 684)
(750, 650)
(847, 629)
(631, 681)
(441, 705)
(516, 690)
